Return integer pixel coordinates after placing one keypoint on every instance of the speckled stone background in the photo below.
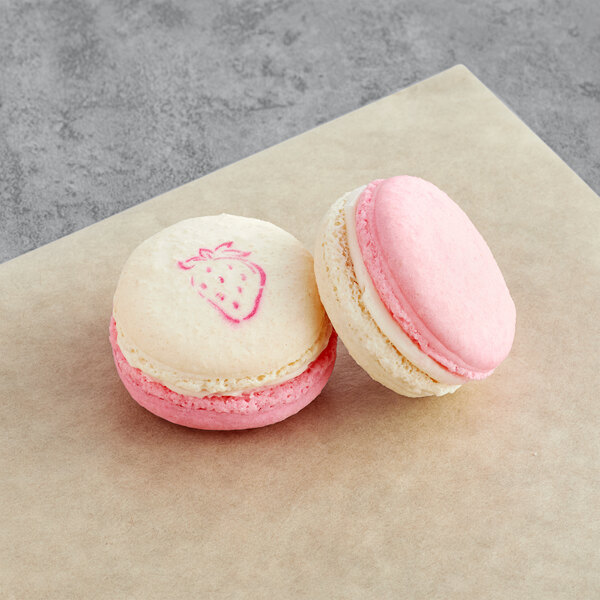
(104, 104)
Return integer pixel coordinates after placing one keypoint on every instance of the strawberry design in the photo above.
(227, 280)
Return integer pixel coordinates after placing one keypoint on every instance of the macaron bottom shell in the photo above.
(254, 408)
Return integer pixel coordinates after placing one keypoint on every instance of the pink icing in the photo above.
(435, 274)
(250, 273)
(255, 408)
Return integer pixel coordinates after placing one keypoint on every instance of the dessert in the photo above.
(412, 288)
(217, 324)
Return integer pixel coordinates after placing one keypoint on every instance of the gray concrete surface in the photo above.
(106, 103)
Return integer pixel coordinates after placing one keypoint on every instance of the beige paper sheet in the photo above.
(490, 493)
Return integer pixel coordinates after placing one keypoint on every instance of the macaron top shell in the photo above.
(435, 274)
(219, 304)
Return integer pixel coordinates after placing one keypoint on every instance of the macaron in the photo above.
(217, 324)
(412, 288)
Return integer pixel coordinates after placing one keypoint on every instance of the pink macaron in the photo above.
(412, 288)
(217, 324)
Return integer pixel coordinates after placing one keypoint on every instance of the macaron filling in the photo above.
(435, 275)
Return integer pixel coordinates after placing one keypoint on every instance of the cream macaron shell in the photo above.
(352, 309)
(196, 344)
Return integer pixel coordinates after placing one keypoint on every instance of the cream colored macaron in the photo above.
(222, 316)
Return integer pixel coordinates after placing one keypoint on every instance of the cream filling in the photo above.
(377, 308)
(194, 384)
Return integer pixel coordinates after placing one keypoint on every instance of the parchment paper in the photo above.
(490, 493)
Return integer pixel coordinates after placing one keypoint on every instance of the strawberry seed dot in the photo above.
(203, 286)
(239, 290)
(221, 280)
(243, 277)
(208, 269)
(236, 305)
(229, 267)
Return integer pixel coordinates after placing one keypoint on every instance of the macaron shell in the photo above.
(257, 408)
(218, 304)
(435, 274)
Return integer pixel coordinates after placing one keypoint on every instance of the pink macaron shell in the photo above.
(255, 408)
(435, 274)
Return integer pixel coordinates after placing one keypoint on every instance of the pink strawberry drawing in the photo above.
(227, 280)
